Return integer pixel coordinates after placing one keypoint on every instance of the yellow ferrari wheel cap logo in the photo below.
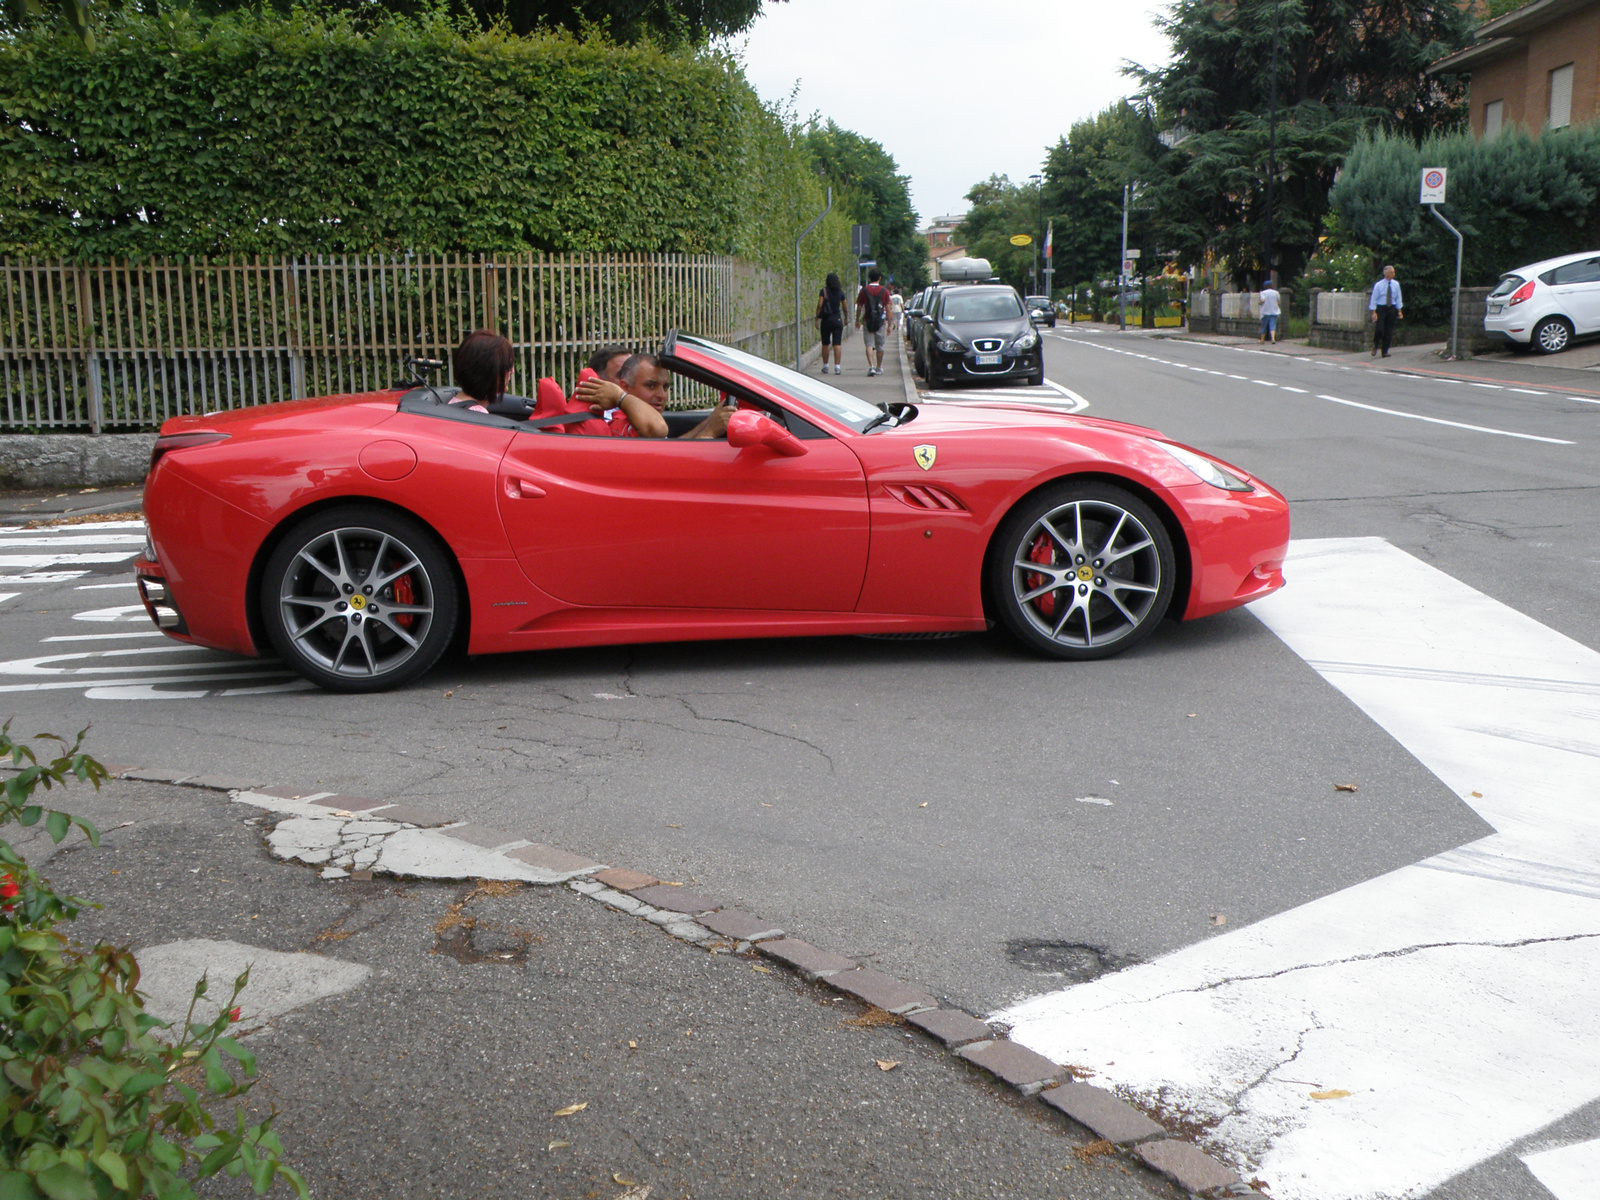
(358, 601)
(924, 456)
(1085, 573)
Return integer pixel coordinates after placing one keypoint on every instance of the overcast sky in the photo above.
(956, 90)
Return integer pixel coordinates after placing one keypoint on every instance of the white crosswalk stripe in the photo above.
(1568, 1172)
(1444, 1011)
(157, 668)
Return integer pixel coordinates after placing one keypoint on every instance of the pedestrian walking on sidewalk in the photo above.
(830, 313)
(1386, 306)
(1269, 312)
(872, 318)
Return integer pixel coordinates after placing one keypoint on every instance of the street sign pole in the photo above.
(1432, 194)
(1122, 280)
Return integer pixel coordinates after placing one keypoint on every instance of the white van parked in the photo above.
(1544, 306)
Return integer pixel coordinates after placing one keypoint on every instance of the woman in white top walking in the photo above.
(1269, 312)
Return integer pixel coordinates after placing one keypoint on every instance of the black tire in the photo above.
(921, 365)
(1552, 336)
(1041, 550)
(360, 599)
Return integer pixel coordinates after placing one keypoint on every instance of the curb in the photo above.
(351, 837)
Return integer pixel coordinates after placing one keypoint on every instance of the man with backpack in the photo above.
(872, 318)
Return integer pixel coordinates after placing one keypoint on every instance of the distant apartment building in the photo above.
(941, 229)
(1537, 66)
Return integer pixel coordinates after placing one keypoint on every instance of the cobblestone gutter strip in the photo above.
(354, 837)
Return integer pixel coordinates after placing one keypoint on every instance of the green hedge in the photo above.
(1517, 199)
(256, 133)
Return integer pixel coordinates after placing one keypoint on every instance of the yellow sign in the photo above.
(1021, 239)
(924, 456)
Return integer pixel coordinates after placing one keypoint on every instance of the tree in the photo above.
(1344, 66)
(1083, 177)
(666, 22)
(1000, 209)
(874, 193)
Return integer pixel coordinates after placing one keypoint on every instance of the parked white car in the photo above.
(1545, 305)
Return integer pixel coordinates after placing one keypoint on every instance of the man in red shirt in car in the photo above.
(872, 318)
(634, 409)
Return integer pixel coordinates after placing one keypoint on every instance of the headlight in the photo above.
(1026, 342)
(1208, 471)
(950, 347)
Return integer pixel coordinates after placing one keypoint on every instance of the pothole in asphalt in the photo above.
(1076, 961)
(471, 942)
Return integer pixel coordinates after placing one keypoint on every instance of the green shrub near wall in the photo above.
(1517, 199)
(305, 134)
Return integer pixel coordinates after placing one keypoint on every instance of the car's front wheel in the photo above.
(359, 599)
(1552, 336)
(1081, 571)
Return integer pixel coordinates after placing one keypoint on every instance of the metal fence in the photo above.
(111, 346)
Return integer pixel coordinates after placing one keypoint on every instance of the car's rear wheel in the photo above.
(1082, 571)
(360, 599)
(1552, 336)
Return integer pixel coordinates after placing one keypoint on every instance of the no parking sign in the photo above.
(1432, 185)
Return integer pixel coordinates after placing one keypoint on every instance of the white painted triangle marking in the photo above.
(1453, 999)
(1568, 1173)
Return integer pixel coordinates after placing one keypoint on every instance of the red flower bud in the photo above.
(9, 888)
(233, 1014)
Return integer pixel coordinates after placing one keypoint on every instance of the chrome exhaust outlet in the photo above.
(167, 618)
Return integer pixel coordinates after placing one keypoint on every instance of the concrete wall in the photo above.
(54, 460)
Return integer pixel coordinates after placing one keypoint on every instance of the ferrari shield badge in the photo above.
(924, 456)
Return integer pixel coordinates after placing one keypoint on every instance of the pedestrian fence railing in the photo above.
(1345, 310)
(120, 346)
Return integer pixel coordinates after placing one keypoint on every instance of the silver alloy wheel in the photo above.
(1101, 579)
(1553, 336)
(357, 602)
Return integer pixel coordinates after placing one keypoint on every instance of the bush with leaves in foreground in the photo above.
(96, 1106)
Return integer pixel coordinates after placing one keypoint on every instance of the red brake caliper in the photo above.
(403, 594)
(1042, 551)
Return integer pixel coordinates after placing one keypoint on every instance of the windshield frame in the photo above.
(810, 394)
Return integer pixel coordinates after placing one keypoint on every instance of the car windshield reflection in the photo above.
(841, 406)
(981, 306)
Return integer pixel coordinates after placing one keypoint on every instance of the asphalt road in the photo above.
(921, 804)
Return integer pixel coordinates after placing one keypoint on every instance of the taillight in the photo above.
(181, 441)
(1525, 292)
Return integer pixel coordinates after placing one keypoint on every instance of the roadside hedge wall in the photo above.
(1516, 199)
(299, 134)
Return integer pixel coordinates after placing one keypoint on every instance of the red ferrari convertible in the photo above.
(359, 536)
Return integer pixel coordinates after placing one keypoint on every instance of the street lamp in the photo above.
(1038, 214)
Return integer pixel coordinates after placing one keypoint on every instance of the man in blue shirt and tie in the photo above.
(1386, 306)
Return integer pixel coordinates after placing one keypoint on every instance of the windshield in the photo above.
(981, 306)
(841, 406)
(1507, 285)
(1039, 301)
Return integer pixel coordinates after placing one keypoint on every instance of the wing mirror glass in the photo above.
(748, 427)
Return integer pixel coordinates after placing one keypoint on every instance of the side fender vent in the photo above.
(923, 496)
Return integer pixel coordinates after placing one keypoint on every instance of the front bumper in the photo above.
(944, 366)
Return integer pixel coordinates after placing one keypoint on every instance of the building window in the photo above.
(1494, 115)
(1561, 97)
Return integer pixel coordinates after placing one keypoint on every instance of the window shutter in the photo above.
(1494, 115)
(1561, 97)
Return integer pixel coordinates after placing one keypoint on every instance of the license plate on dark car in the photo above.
(988, 360)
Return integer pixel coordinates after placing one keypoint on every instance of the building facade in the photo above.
(1537, 66)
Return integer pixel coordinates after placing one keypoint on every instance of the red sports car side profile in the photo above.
(360, 536)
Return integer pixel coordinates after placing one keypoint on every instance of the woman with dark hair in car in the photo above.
(830, 311)
(482, 365)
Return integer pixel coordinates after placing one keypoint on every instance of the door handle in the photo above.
(521, 489)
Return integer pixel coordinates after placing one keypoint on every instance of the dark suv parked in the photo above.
(979, 332)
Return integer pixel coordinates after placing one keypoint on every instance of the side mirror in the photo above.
(747, 427)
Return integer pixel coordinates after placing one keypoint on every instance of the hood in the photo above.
(953, 416)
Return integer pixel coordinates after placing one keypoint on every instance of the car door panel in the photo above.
(686, 523)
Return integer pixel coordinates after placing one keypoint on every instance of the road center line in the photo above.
(1394, 412)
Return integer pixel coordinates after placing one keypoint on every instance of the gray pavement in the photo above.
(481, 1015)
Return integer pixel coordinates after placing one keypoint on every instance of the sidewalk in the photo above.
(84, 504)
(426, 1038)
(1576, 370)
(895, 386)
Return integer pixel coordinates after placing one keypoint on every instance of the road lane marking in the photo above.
(121, 612)
(102, 637)
(1493, 387)
(1299, 391)
(100, 587)
(1264, 382)
(1583, 400)
(1452, 998)
(25, 539)
(1568, 1173)
(1394, 412)
(43, 577)
(31, 561)
(4, 596)
(1527, 392)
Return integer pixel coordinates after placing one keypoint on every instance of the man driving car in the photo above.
(634, 409)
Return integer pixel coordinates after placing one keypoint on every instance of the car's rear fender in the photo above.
(252, 599)
(1182, 585)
